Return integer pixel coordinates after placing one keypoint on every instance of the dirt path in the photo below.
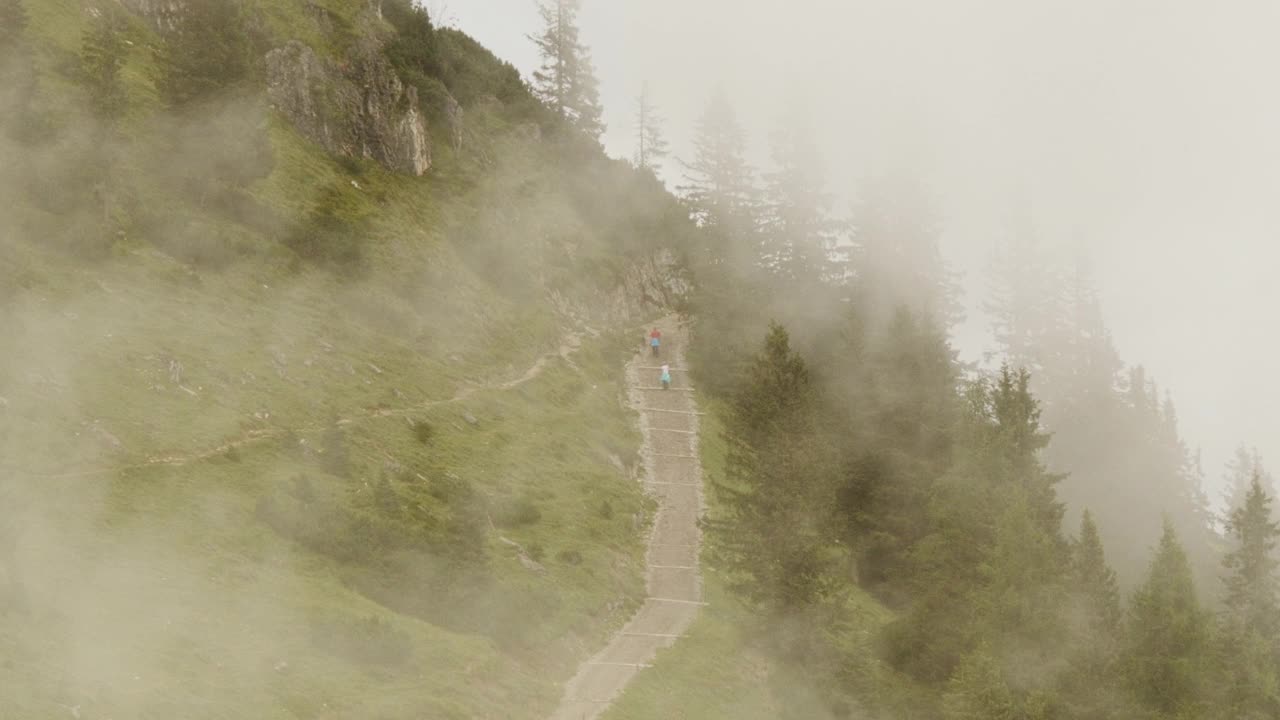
(569, 344)
(673, 476)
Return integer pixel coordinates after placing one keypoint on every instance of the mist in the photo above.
(331, 379)
(1137, 136)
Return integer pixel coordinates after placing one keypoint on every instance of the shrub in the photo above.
(517, 512)
(569, 557)
(329, 235)
(423, 431)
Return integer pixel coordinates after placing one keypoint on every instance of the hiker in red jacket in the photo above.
(655, 340)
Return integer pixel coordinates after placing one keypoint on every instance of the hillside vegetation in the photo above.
(288, 430)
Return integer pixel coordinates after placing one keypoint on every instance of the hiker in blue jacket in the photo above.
(666, 377)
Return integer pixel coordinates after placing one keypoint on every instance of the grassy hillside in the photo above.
(323, 440)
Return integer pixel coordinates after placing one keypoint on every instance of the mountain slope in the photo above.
(289, 433)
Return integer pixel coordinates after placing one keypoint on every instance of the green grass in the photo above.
(201, 586)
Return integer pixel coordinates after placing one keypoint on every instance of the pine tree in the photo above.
(897, 260)
(1095, 582)
(205, 54)
(102, 55)
(720, 185)
(1088, 685)
(566, 81)
(1167, 642)
(1242, 468)
(1250, 638)
(977, 690)
(800, 235)
(774, 540)
(1251, 583)
(651, 145)
(13, 21)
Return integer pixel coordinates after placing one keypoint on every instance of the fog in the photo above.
(1139, 135)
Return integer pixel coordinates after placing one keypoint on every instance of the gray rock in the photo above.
(360, 109)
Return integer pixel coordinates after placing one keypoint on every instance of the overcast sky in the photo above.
(1144, 134)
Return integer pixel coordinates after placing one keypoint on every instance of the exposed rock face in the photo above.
(648, 286)
(357, 109)
(163, 14)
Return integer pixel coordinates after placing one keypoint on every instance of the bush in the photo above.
(569, 557)
(423, 431)
(517, 512)
(329, 236)
(537, 552)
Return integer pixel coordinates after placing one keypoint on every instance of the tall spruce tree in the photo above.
(1251, 582)
(1245, 464)
(651, 144)
(897, 260)
(1249, 680)
(775, 539)
(800, 235)
(720, 186)
(1021, 438)
(206, 54)
(1095, 620)
(566, 80)
(1168, 636)
(1095, 582)
(102, 55)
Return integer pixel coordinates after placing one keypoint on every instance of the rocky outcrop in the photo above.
(646, 287)
(358, 108)
(164, 15)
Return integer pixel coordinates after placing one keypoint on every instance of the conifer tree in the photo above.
(102, 55)
(800, 235)
(774, 539)
(1242, 468)
(978, 691)
(1250, 638)
(566, 81)
(651, 144)
(1095, 618)
(720, 185)
(1021, 438)
(205, 54)
(1251, 583)
(1167, 641)
(1095, 582)
(897, 259)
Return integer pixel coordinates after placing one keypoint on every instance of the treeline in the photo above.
(864, 458)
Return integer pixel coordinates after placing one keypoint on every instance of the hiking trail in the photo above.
(569, 344)
(673, 476)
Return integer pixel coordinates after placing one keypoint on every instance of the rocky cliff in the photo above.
(359, 108)
(356, 107)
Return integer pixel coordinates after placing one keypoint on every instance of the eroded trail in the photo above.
(569, 344)
(673, 476)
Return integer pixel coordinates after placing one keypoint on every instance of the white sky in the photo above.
(1142, 133)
